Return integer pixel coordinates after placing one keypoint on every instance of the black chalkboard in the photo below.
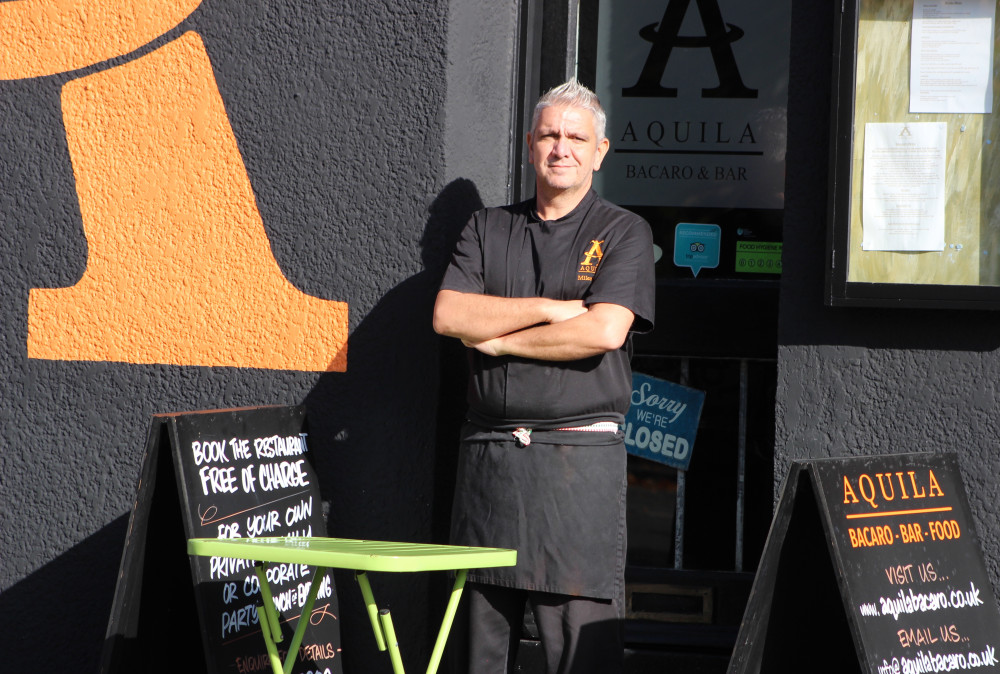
(872, 565)
(218, 474)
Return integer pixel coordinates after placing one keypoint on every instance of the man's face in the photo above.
(565, 150)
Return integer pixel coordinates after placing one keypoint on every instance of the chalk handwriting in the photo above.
(219, 480)
(247, 480)
(229, 531)
(279, 574)
(241, 449)
(901, 574)
(251, 585)
(885, 668)
(224, 567)
(928, 574)
(906, 602)
(256, 466)
(282, 475)
(208, 517)
(924, 636)
(211, 451)
(297, 513)
(211, 514)
(277, 446)
(235, 620)
(947, 662)
(869, 610)
(263, 524)
(253, 663)
(307, 653)
(319, 613)
(318, 651)
(297, 595)
(228, 593)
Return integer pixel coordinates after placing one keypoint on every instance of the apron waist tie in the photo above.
(523, 435)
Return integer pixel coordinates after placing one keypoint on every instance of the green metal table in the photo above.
(361, 557)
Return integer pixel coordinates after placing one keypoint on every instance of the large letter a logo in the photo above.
(180, 269)
(666, 37)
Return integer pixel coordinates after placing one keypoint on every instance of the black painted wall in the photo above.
(871, 381)
(369, 131)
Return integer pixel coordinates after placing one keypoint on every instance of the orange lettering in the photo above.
(902, 486)
(935, 487)
(180, 269)
(849, 492)
(917, 493)
(45, 38)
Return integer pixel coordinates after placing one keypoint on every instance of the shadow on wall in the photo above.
(55, 618)
(385, 446)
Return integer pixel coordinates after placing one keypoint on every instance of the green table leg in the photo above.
(268, 618)
(265, 595)
(390, 636)
(385, 634)
(446, 622)
(300, 629)
(366, 593)
(270, 621)
(272, 650)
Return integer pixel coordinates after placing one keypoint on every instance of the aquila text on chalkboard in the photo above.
(881, 491)
(910, 487)
(902, 582)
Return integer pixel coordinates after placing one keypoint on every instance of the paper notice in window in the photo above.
(902, 203)
(951, 56)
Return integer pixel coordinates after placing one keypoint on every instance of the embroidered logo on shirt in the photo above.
(591, 259)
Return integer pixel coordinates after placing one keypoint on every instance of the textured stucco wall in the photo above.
(868, 381)
(367, 132)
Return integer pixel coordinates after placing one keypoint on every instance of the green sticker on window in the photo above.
(758, 257)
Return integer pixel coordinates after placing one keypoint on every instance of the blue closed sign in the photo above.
(662, 421)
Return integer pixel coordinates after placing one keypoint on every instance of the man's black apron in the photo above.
(559, 501)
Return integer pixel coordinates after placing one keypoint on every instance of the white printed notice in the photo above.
(951, 56)
(903, 192)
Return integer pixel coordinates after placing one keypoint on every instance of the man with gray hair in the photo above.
(546, 294)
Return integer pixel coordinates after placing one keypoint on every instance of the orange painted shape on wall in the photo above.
(179, 270)
(43, 37)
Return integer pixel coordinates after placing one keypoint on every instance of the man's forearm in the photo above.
(476, 318)
(603, 328)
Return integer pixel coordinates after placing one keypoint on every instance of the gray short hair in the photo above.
(575, 95)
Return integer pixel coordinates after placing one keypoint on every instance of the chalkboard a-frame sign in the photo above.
(872, 565)
(218, 474)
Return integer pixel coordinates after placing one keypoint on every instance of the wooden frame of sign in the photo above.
(218, 474)
(872, 565)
